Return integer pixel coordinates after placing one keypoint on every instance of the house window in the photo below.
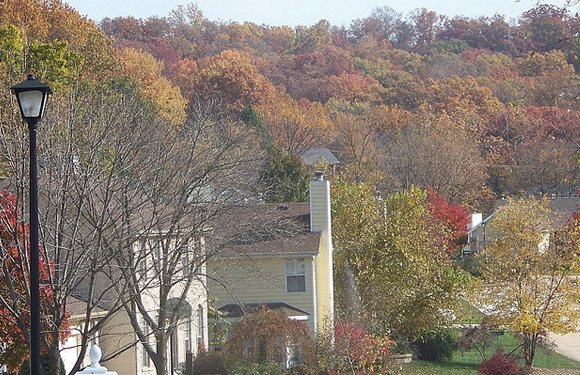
(185, 263)
(188, 336)
(200, 324)
(292, 356)
(145, 356)
(295, 275)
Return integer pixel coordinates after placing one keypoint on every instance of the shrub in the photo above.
(499, 364)
(264, 336)
(44, 362)
(435, 346)
(359, 349)
(257, 369)
(471, 264)
(210, 363)
(478, 338)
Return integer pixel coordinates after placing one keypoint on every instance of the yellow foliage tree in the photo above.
(456, 95)
(528, 273)
(146, 71)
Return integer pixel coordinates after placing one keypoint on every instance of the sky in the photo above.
(300, 12)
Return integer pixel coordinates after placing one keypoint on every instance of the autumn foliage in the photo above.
(450, 218)
(360, 351)
(508, 88)
(264, 335)
(545, 295)
(500, 364)
(14, 286)
(471, 108)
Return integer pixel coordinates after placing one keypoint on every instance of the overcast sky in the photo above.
(300, 12)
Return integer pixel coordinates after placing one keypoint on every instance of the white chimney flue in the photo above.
(476, 219)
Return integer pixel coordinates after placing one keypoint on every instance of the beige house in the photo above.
(277, 255)
(118, 337)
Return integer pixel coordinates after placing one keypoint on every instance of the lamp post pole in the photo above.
(34, 256)
(32, 96)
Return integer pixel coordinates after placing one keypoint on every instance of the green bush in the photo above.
(210, 363)
(257, 369)
(471, 264)
(44, 362)
(435, 346)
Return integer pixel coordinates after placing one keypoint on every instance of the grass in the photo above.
(467, 314)
(468, 363)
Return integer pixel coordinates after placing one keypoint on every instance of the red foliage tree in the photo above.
(556, 122)
(14, 287)
(452, 217)
(360, 349)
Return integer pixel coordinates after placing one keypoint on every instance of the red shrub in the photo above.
(359, 348)
(499, 364)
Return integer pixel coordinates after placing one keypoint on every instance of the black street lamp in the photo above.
(32, 96)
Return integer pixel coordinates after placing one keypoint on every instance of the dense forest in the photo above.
(473, 108)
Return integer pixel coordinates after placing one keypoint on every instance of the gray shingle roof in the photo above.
(235, 310)
(314, 155)
(265, 230)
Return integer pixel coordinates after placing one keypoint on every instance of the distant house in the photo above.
(479, 235)
(278, 256)
(556, 191)
(314, 156)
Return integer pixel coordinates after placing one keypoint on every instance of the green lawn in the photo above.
(468, 363)
(467, 314)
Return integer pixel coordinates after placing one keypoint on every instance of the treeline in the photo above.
(473, 108)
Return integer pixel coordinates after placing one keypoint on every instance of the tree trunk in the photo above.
(160, 359)
(530, 342)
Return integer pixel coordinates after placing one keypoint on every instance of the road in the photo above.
(568, 345)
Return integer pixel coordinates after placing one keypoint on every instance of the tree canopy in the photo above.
(528, 275)
(389, 266)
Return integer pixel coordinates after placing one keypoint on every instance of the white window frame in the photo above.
(187, 339)
(145, 358)
(200, 323)
(295, 267)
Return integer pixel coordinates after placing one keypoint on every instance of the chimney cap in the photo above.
(319, 176)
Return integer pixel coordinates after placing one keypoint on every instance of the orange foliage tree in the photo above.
(232, 76)
(347, 86)
(295, 126)
(54, 21)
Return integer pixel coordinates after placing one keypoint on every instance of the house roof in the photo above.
(236, 310)
(314, 155)
(265, 230)
(77, 306)
(563, 209)
(561, 190)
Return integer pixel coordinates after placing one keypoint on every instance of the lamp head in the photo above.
(32, 96)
